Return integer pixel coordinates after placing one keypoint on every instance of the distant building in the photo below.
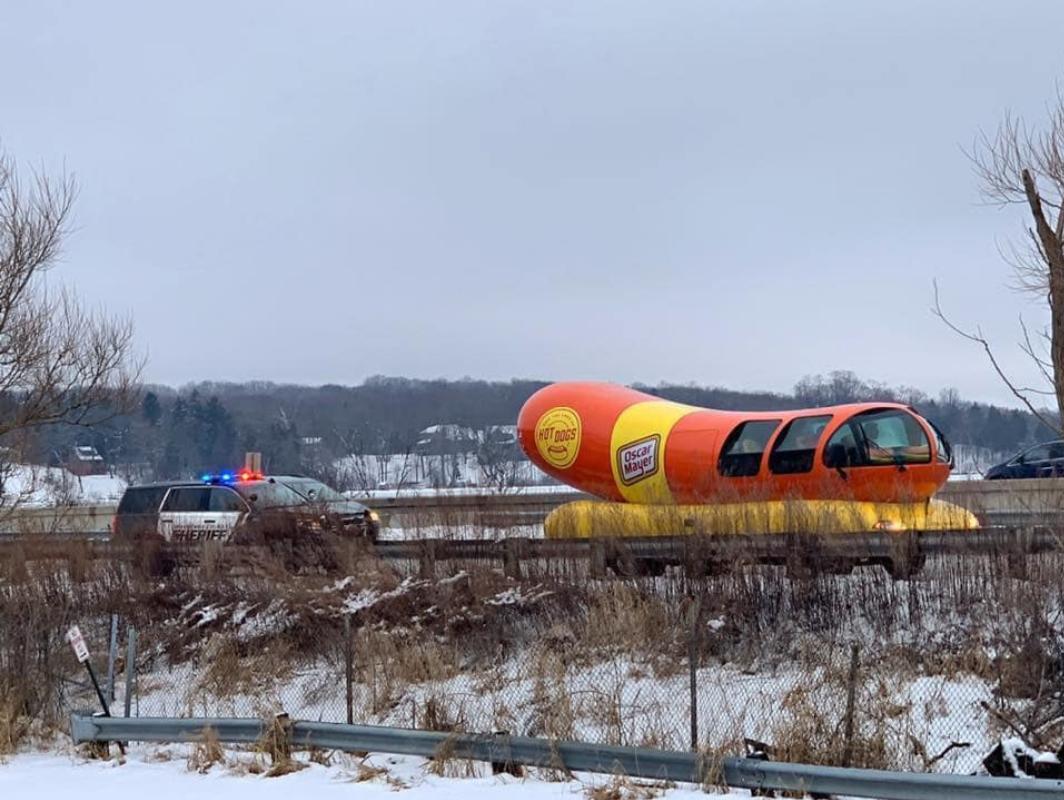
(447, 440)
(85, 460)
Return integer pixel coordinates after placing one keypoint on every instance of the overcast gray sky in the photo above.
(735, 193)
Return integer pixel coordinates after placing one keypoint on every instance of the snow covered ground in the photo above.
(163, 773)
(41, 487)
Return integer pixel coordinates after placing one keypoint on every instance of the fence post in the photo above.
(512, 553)
(851, 691)
(694, 614)
(112, 654)
(131, 659)
(349, 667)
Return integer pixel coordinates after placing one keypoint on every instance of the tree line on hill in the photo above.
(177, 433)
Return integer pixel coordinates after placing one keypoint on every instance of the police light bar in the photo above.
(231, 477)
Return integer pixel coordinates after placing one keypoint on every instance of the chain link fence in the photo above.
(857, 670)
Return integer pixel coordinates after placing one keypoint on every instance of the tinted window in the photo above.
(187, 499)
(741, 455)
(225, 500)
(880, 438)
(1037, 453)
(1043, 452)
(145, 500)
(796, 446)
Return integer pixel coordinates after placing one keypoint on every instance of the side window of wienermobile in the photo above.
(740, 457)
(844, 448)
(796, 446)
(879, 438)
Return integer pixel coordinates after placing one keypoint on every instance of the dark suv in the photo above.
(232, 506)
(1044, 460)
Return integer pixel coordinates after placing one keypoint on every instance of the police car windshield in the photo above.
(316, 491)
(270, 494)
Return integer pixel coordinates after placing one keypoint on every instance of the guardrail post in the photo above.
(1017, 553)
(503, 760)
(597, 558)
(279, 739)
(513, 552)
(427, 563)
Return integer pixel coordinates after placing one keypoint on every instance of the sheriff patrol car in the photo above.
(218, 507)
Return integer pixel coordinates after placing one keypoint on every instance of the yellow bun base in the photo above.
(586, 518)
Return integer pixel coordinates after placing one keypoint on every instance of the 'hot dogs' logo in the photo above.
(638, 460)
(558, 437)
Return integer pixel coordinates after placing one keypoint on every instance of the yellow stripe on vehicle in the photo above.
(637, 450)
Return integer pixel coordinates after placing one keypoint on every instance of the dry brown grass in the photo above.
(622, 788)
(12, 725)
(960, 618)
(445, 762)
(206, 752)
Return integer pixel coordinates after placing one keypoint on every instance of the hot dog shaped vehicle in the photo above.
(859, 466)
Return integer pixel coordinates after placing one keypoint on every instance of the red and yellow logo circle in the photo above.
(558, 437)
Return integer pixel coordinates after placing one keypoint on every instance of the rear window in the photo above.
(144, 500)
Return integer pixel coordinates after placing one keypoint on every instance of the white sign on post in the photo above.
(77, 641)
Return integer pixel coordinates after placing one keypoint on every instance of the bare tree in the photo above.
(59, 362)
(1020, 165)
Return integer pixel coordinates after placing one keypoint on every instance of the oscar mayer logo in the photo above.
(558, 437)
(638, 460)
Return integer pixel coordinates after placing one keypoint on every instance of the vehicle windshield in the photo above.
(270, 494)
(315, 491)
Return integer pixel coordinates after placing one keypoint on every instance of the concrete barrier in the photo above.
(1008, 502)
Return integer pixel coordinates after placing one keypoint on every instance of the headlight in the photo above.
(373, 515)
(889, 525)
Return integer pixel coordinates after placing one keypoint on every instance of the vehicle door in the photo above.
(1035, 463)
(185, 515)
(882, 455)
(227, 509)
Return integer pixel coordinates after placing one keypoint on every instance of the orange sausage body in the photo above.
(627, 446)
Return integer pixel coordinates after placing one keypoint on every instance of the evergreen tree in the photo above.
(151, 409)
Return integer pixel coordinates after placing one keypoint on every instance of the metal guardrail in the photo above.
(640, 762)
(902, 554)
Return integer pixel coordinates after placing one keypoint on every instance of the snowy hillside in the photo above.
(36, 487)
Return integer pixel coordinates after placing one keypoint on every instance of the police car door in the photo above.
(200, 513)
(226, 509)
(183, 514)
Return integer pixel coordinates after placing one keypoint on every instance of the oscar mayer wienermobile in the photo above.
(665, 467)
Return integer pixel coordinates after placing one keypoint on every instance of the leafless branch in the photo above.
(1020, 165)
(59, 362)
(979, 339)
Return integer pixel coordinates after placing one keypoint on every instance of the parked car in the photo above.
(233, 506)
(1044, 460)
